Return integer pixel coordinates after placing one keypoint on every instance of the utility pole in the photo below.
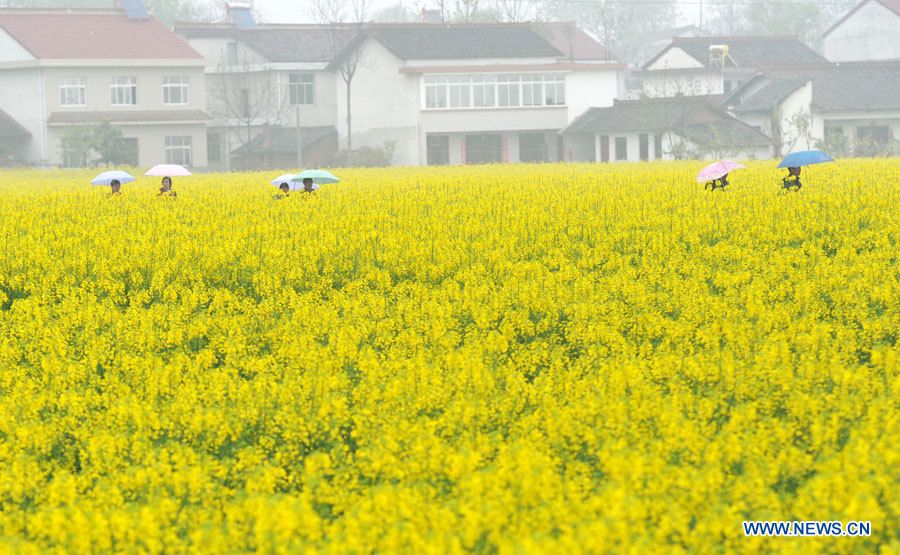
(701, 15)
(299, 142)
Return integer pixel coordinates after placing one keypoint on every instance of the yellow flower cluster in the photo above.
(506, 359)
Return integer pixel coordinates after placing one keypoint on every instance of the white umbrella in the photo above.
(168, 170)
(106, 178)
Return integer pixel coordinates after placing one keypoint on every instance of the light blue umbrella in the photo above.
(318, 176)
(805, 158)
(106, 178)
(292, 184)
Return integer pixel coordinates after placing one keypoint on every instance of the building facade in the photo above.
(63, 70)
(869, 32)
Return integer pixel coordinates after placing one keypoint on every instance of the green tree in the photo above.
(807, 19)
(93, 145)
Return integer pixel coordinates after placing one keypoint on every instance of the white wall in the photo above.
(798, 104)
(385, 106)
(479, 62)
(585, 148)
(11, 50)
(675, 58)
(20, 97)
(665, 83)
(872, 33)
(590, 89)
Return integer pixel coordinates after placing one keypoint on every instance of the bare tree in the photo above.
(346, 24)
(512, 11)
(465, 11)
(250, 101)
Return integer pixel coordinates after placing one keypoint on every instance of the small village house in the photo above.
(63, 69)
(868, 32)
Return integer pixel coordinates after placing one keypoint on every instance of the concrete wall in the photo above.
(215, 52)
(871, 33)
(664, 83)
(21, 96)
(385, 106)
(149, 81)
(797, 105)
(590, 89)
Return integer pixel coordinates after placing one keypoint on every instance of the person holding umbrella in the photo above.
(715, 176)
(166, 189)
(114, 179)
(792, 181)
(309, 186)
(167, 171)
(311, 179)
(796, 160)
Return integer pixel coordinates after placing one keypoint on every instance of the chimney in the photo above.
(134, 9)
(240, 14)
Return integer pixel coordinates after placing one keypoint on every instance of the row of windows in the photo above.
(621, 147)
(490, 91)
(123, 91)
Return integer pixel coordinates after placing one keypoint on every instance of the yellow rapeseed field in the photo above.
(507, 359)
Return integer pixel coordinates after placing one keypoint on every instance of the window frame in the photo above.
(184, 160)
(79, 86)
(300, 91)
(126, 90)
(183, 86)
(481, 91)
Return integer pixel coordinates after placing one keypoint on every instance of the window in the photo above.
(72, 92)
(488, 91)
(302, 88)
(438, 149)
(621, 149)
(876, 134)
(175, 90)
(533, 147)
(213, 147)
(833, 130)
(483, 149)
(728, 87)
(508, 90)
(657, 147)
(644, 146)
(123, 91)
(436, 93)
(231, 54)
(484, 91)
(604, 148)
(178, 151)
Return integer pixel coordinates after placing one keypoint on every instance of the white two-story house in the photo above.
(60, 69)
(868, 32)
(263, 82)
(469, 93)
(718, 64)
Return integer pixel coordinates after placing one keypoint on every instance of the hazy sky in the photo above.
(295, 11)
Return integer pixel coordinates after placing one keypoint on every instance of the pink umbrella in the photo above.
(168, 170)
(717, 170)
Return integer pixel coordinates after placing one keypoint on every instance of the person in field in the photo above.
(792, 181)
(309, 186)
(283, 190)
(166, 189)
(720, 183)
(115, 187)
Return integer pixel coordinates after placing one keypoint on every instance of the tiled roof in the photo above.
(93, 35)
(574, 43)
(10, 128)
(853, 86)
(749, 51)
(772, 95)
(279, 43)
(696, 117)
(462, 41)
(283, 140)
(160, 116)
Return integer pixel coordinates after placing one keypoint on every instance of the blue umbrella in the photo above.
(106, 178)
(318, 176)
(805, 158)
